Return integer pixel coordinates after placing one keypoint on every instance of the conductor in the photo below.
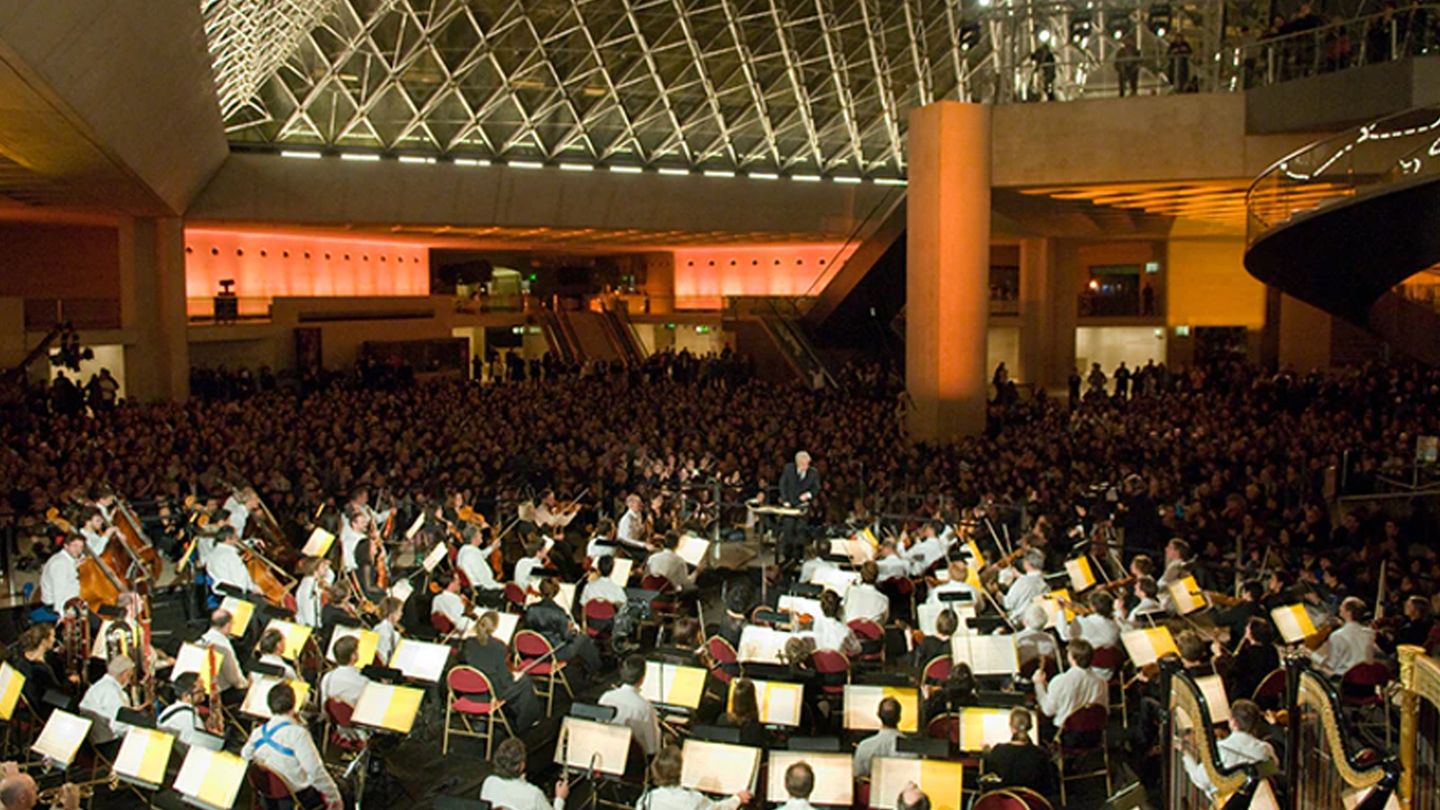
(799, 486)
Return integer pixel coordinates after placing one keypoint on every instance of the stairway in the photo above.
(1342, 222)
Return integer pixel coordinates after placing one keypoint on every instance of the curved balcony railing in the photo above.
(1386, 153)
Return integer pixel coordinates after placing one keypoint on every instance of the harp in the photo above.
(1195, 779)
(1325, 772)
(1419, 730)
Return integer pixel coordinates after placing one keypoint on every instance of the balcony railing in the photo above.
(41, 314)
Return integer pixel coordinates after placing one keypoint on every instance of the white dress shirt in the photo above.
(182, 720)
(102, 702)
(349, 541)
(675, 797)
(453, 608)
(606, 589)
(239, 515)
(308, 603)
(833, 634)
(525, 571)
(920, 554)
(600, 547)
(343, 684)
(814, 564)
(474, 562)
(228, 669)
(1236, 749)
(666, 563)
(1096, 629)
(631, 529)
(879, 744)
(633, 710)
(865, 601)
(1075, 688)
(227, 567)
(389, 638)
(60, 580)
(95, 541)
(285, 747)
(1353, 643)
(516, 794)
(891, 567)
(797, 804)
(1136, 618)
(271, 659)
(1022, 592)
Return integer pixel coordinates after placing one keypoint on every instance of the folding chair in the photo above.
(1085, 728)
(529, 648)
(472, 696)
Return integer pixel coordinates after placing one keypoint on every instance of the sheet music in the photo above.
(1293, 622)
(62, 736)
(240, 610)
(1147, 645)
(419, 660)
(295, 637)
(800, 606)
(719, 768)
(434, 557)
(941, 781)
(392, 708)
(1081, 574)
(1187, 596)
(692, 549)
(585, 744)
(402, 590)
(505, 629)
(144, 755)
(12, 682)
(859, 552)
(415, 529)
(1213, 688)
(986, 655)
(834, 579)
(673, 685)
(834, 780)
(318, 544)
(928, 614)
(986, 726)
(621, 573)
(862, 704)
(779, 701)
(212, 778)
(762, 645)
(257, 696)
(195, 658)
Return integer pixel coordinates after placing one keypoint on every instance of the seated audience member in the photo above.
(631, 708)
(665, 792)
(882, 742)
(744, 714)
(1240, 747)
(1075, 688)
(507, 787)
(552, 621)
(491, 657)
(1020, 762)
(284, 746)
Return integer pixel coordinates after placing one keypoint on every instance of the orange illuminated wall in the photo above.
(268, 264)
(704, 275)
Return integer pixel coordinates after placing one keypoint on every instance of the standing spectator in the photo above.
(1180, 53)
(1127, 67)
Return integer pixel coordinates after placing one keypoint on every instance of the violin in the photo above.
(1116, 584)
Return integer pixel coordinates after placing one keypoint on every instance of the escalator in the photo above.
(1343, 223)
(592, 336)
(557, 338)
(622, 333)
(868, 292)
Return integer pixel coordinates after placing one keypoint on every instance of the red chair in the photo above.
(338, 728)
(269, 788)
(599, 619)
(464, 580)
(829, 664)
(944, 727)
(1270, 693)
(872, 640)
(1113, 659)
(725, 662)
(289, 603)
(442, 624)
(664, 607)
(1083, 734)
(471, 696)
(514, 597)
(530, 647)
(935, 672)
(1362, 688)
(1033, 800)
(999, 800)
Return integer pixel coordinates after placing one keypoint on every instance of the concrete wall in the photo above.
(43, 260)
(1209, 285)
(1332, 101)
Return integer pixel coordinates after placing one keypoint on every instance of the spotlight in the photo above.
(1079, 26)
(1159, 19)
(1044, 36)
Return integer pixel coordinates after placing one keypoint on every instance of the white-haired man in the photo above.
(799, 486)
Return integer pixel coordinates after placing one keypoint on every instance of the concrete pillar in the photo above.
(947, 275)
(152, 309)
(660, 282)
(1037, 320)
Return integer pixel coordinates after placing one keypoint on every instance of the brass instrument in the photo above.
(215, 718)
(75, 638)
(87, 788)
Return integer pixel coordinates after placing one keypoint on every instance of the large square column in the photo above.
(152, 308)
(947, 274)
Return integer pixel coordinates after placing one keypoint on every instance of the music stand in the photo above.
(1216, 699)
(12, 683)
(693, 549)
(821, 745)
(593, 746)
(834, 782)
(318, 544)
(367, 641)
(295, 637)
(241, 611)
(420, 660)
(720, 768)
(620, 575)
(1293, 622)
(389, 708)
(941, 780)
(985, 726)
(1147, 645)
(762, 645)
(811, 589)
(986, 655)
(61, 737)
(135, 717)
(1082, 573)
(923, 747)
(143, 757)
(210, 779)
(779, 702)
(256, 703)
(1187, 596)
(862, 704)
(195, 658)
(267, 669)
(434, 557)
(672, 685)
(719, 734)
(592, 711)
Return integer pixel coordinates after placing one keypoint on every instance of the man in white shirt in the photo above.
(360, 500)
(239, 506)
(920, 553)
(181, 717)
(666, 794)
(1239, 747)
(284, 746)
(97, 535)
(344, 683)
(314, 576)
(631, 530)
(272, 648)
(507, 788)
(601, 586)
(1027, 586)
(883, 742)
(816, 560)
(1353, 643)
(226, 566)
(228, 674)
(1095, 627)
(449, 604)
(474, 563)
(526, 567)
(60, 579)
(1147, 606)
(889, 563)
(104, 700)
(355, 530)
(631, 708)
(865, 601)
(959, 572)
(550, 514)
(603, 543)
(1075, 688)
(799, 784)
(389, 628)
(1034, 641)
(670, 565)
(1177, 552)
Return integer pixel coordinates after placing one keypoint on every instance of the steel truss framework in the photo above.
(798, 86)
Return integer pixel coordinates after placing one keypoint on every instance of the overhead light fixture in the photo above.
(719, 173)
(299, 155)
(416, 159)
(845, 179)
(626, 169)
(576, 167)
(805, 178)
(525, 164)
(674, 172)
(471, 162)
(763, 176)
(360, 157)
(889, 181)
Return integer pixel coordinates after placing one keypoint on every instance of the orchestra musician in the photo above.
(604, 543)
(665, 562)
(103, 701)
(506, 787)
(283, 745)
(922, 552)
(959, 572)
(632, 708)
(18, 791)
(360, 502)
(601, 586)
(1256, 658)
(883, 743)
(448, 603)
(345, 683)
(226, 566)
(553, 621)
(1020, 762)
(1096, 626)
(799, 486)
(535, 558)
(863, 599)
(1027, 586)
(182, 718)
(1033, 642)
(1177, 566)
(1353, 643)
(665, 792)
(491, 657)
(1240, 747)
(238, 508)
(474, 561)
(271, 647)
(60, 578)
(799, 784)
(33, 662)
(1147, 603)
(355, 531)
(946, 623)
(371, 563)
(315, 577)
(389, 628)
(1075, 688)
(632, 530)
(549, 514)
(97, 531)
(230, 680)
